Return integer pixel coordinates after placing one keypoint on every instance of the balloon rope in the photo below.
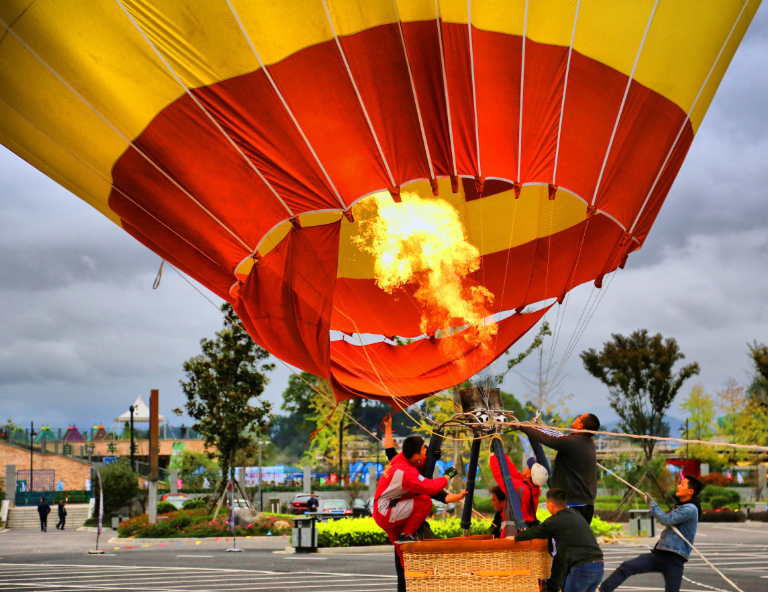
(674, 528)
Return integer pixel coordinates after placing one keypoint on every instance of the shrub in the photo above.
(483, 504)
(120, 486)
(194, 503)
(599, 526)
(717, 479)
(165, 507)
(759, 516)
(612, 515)
(711, 491)
(358, 532)
(719, 501)
(723, 516)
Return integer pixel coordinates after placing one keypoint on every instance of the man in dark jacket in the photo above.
(43, 509)
(574, 471)
(312, 503)
(62, 515)
(576, 544)
(671, 552)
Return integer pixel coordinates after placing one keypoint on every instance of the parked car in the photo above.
(177, 499)
(334, 509)
(299, 503)
(361, 508)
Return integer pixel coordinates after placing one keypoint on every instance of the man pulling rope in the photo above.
(674, 547)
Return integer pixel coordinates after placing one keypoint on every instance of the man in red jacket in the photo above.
(523, 482)
(402, 501)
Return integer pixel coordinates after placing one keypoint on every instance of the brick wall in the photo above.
(72, 472)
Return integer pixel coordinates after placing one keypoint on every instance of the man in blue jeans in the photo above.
(671, 552)
(576, 544)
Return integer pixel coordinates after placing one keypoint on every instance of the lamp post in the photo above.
(261, 493)
(31, 457)
(133, 461)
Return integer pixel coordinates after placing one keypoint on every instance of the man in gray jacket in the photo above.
(671, 552)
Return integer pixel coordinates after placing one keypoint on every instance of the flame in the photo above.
(421, 241)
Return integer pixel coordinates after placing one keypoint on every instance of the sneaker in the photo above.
(406, 538)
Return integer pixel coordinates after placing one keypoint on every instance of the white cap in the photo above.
(539, 474)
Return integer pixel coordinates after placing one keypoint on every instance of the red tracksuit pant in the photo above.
(405, 518)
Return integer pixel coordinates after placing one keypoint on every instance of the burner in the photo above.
(472, 403)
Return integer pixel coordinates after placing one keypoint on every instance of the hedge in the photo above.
(723, 516)
(197, 523)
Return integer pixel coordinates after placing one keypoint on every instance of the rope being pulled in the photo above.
(674, 528)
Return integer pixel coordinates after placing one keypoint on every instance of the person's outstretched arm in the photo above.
(389, 440)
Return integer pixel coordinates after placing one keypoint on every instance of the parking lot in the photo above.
(53, 561)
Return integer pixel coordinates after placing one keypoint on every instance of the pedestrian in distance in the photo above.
(671, 552)
(576, 543)
(312, 503)
(62, 515)
(43, 509)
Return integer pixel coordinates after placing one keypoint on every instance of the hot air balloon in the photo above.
(400, 168)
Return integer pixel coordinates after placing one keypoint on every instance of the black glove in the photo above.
(450, 472)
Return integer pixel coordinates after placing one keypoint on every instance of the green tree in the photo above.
(121, 485)
(731, 400)
(758, 390)
(196, 467)
(638, 371)
(221, 384)
(701, 413)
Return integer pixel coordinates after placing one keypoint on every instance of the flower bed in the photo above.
(726, 515)
(197, 523)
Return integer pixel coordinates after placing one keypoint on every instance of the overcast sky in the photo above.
(82, 333)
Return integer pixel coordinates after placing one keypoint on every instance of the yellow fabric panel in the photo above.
(499, 15)
(352, 16)
(551, 21)
(416, 10)
(454, 11)
(487, 221)
(93, 46)
(280, 28)
(684, 41)
(201, 41)
(23, 138)
(610, 31)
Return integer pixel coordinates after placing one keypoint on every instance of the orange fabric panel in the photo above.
(408, 373)
(285, 304)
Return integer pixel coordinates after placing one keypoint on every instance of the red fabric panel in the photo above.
(377, 60)
(186, 145)
(542, 97)
(270, 139)
(422, 41)
(318, 89)
(662, 188)
(408, 373)
(649, 125)
(592, 103)
(285, 304)
(459, 74)
(497, 82)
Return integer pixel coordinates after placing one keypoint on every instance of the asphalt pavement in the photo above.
(59, 561)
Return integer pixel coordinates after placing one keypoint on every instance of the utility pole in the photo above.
(133, 460)
(154, 450)
(261, 499)
(31, 456)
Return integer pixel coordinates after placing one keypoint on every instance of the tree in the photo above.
(221, 383)
(196, 467)
(638, 371)
(758, 390)
(701, 413)
(121, 485)
(731, 401)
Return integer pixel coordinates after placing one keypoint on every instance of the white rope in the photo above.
(445, 83)
(474, 93)
(624, 100)
(522, 81)
(565, 88)
(359, 96)
(674, 528)
(687, 117)
(285, 104)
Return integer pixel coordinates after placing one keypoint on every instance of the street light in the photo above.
(261, 494)
(133, 461)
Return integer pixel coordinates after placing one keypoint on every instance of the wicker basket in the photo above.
(479, 564)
